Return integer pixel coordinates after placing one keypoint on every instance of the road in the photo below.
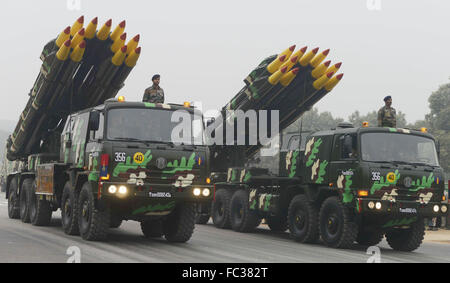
(21, 242)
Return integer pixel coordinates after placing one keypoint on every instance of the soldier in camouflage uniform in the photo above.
(154, 94)
(387, 116)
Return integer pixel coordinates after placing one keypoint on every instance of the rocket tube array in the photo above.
(81, 68)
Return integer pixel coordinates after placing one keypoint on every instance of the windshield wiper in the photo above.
(423, 164)
(127, 139)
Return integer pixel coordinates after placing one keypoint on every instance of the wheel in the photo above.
(40, 209)
(336, 226)
(180, 224)
(25, 194)
(13, 201)
(220, 210)
(115, 223)
(242, 218)
(303, 220)
(69, 210)
(152, 228)
(277, 223)
(368, 237)
(93, 223)
(407, 240)
(202, 219)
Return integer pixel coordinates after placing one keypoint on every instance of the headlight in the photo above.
(378, 205)
(197, 192)
(436, 208)
(123, 190)
(371, 205)
(112, 189)
(206, 192)
(444, 209)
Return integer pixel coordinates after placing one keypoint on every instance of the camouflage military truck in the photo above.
(111, 163)
(343, 185)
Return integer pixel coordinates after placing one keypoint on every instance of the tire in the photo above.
(277, 223)
(202, 219)
(69, 210)
(115, 223)
(336, 226)
(93, 223)
(220, 210)
(40, 209)
(152, 228)
(303, 220)
(13, 201)
(242, 218)
(369, 238)
(180, 224)
(24, 200)
(407, 240)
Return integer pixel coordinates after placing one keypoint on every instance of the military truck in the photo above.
(112, 167)
(343, 185)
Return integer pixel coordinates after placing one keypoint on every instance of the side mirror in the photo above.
(210, 121)
(94, 121)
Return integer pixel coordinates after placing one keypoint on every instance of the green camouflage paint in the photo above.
(129, 164)
(293, 169)
(347, 196)
(95, 174)
(400, 222)
(267, 202)
(314, 151)
(149, 105)
(425, 184)
(155, 208)
(247, 177)
(322, 171)
(378, 185)
(183, 165)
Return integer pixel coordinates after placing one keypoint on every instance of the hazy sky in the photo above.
(205, 48)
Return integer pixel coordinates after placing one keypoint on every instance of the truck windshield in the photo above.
(398, 148)
(154, 125)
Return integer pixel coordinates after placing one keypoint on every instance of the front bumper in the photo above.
(383, 207)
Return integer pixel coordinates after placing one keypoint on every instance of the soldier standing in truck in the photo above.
(154, 94)
(387, 116)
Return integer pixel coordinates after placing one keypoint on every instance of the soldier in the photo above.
(154, 94)
(387, 114)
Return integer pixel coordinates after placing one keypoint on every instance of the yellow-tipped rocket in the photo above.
(78, 52)
(77, 26)
(103, 33)
(132, 59)
(290, 63)
(288, 52)
(299, 54)
(119, 43)
(319, 58)
(304, 61)
(118, 31)
(334, 68)
(133, 44)
(333, 82)
(119, 57)
(64, 50)
(276, 77)
(320, 70)
(289, 77)
(91, 29)
(320, 82)
(276, 64)
(63, 37)
(78, 38)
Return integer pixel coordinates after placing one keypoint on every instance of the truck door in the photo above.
(74, 140)
(317, 159)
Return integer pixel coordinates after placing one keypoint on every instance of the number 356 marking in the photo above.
(120, 157)
(376, 176)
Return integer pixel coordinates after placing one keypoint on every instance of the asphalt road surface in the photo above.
(25, 243)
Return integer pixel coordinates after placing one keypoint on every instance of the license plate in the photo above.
(160, 195)
(408, 210)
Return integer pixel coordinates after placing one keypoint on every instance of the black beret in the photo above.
(156, 77)
(387, 98)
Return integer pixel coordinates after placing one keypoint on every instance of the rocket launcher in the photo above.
(81, 68)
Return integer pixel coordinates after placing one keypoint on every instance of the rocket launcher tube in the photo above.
(320, 82)
(276, 64)
(77, 26)
(103, 33)
(319, 58)
(118, 31)
(320, 70)
(329, 86)
(63, 37)
(118, 43)
(78, 38)
(64, 50)
(132, 59)
(119, 57)
(91, 29)
(304, 61)
(289, 77)
(276, 77)
(290, 63)
(335, 68)
(133, 44)
(78, 52)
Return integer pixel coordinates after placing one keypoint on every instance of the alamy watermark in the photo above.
(375, 254)
(374, 5)
(74, 254)
(74, 5)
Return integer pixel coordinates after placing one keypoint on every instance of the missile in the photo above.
(91, 29)
(329, 86)
(132, 59)
(320, 82)
(335, 68)
(133, 44)
(78, 52)
(118, 43)
(77, 26)
(290, 63)
(319, 58)
(304, 61)
(276, 64)
(103, 33)
(289, 77)
(288, 52)
(63, 37)
(120, 29)
(63, 52)
(276, 77)
(78, 38)
(320, 70)
(119, 57)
